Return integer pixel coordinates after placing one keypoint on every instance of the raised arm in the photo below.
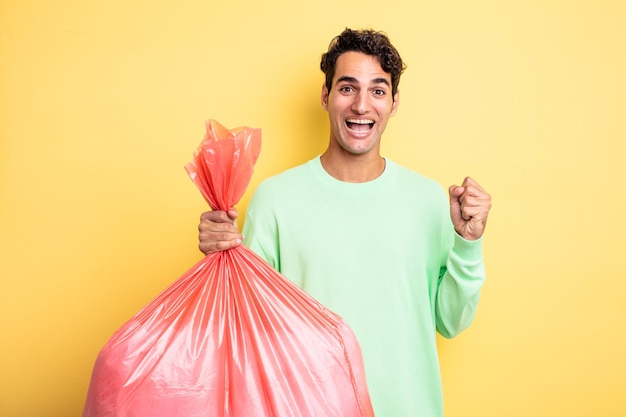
(463, 275)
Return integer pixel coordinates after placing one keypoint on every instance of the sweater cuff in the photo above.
(468, 249)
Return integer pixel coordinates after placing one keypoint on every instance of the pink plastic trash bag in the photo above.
(231, 337)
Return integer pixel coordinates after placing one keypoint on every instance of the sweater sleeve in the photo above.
(260, 229)
(458, 289)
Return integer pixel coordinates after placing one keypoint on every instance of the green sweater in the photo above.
(383, 255)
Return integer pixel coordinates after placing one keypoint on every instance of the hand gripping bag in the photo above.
(231, 337)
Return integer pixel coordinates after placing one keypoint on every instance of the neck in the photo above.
(353, 168)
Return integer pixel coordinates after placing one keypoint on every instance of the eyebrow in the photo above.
(349, 79)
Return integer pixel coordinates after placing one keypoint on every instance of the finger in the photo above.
(479, 203)
(468, 199)
(233, 213)
(474, 196)
(216, 216)
(472, 212)
(218, 231)
(209, 230)
(455, 191)
(467, 209)
(471, 183)
(475, 193)
(476, 209)
(211, 247)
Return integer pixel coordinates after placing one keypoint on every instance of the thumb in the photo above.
(455, 192)
(455, 204)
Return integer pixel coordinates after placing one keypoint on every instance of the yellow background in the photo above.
(102, 103)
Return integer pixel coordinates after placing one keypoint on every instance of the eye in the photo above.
(346, 89)
(379, 92)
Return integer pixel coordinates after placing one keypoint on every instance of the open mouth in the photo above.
(359, 125)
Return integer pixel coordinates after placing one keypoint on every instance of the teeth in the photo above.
(360, 121)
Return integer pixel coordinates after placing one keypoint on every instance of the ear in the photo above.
(396, 103)
(324, 96)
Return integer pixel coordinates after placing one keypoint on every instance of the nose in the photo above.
(359, 105)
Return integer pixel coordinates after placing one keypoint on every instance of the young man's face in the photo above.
(359, 104)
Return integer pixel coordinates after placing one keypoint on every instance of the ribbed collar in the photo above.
(353, 188)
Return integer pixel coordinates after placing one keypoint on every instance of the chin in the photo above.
(359, 150)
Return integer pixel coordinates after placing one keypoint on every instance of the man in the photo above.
(369, 239)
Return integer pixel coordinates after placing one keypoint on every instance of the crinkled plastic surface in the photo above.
(231, 337)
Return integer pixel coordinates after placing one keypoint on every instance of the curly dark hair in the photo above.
(369, 42)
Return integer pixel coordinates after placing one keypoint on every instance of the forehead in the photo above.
(359, 66)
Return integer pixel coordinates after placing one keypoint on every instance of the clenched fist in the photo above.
(218, 231)
(469, 208)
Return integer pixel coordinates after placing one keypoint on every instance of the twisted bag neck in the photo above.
(224, 162)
